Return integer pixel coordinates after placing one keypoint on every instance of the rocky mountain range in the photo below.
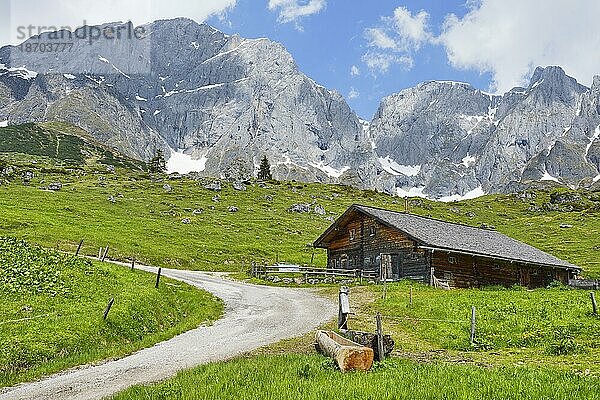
(221, 102)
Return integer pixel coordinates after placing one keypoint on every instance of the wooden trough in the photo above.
(348, 355)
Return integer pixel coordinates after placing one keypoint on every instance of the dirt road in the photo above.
(254, 316)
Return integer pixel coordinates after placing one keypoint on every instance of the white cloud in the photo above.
(354, 71)
(377, 37)
(293, 10)
(379, 62)
(353, 93)
(70, 13)
(396, 39)
(509, 38)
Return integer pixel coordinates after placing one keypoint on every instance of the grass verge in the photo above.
(313, 377)
(52, 308)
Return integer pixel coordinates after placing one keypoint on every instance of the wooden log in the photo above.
(349, 356)
(79, 247)
(380, 351)
(107, 309)
(594, 306)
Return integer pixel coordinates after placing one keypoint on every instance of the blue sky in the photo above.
(391, 45)
(327, 44)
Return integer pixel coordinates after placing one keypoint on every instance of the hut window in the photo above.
(372, 230)
(352, 234)
(452, 260)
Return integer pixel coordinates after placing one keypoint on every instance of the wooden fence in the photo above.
(263, 272)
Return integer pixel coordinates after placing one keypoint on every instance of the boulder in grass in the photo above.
(167, 187)
(239, 186)
(55, 186)
(214, 186)
(299, 208)
(197, 211)
(233, 209)
(186, 221)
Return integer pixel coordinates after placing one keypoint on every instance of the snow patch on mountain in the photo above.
(396, 169)
(183, 163)
(473, 194)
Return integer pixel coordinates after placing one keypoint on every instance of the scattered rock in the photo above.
(215, 186)
(564, 197)
(299, 208)
(101, 178)
(486, 226)
(269, 197)
(216, 198)
(233, 209)
(239, 186)
(110, 168)
(470, 214)
(112, 199)
(566, 226)
(186, 221)
(534, 208)
(167, 187)
(262, 185)
(330, 219)
(328, 279)
(287, 281)
(313, 281)
(320, 210)
(55, 186)
(298, 281)
(455, 210)
(27, 175)
(276, 279)
(197, 211)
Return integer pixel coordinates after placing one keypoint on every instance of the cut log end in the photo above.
(349, 356)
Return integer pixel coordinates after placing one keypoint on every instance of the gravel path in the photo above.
(254, 316)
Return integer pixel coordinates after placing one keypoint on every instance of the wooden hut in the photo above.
(398, 245)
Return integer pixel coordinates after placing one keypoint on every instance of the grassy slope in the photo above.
(312, 377)
(70, 295)
(61, 143)
(145, 221)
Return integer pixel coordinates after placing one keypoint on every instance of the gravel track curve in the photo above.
(254, 316)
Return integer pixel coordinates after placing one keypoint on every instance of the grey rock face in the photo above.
(449, 138)
(226, 101)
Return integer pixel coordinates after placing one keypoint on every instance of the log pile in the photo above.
(348, 355)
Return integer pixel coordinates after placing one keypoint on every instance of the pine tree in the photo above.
(157, 164)
(264, 172)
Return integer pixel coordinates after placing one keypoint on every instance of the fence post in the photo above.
(107, 309)
(158, 277)
(360, 273)
(312, 259)
(100, 253)
(79, 247)
(410, 301)
(594, 306)
(132, 263)
(105, 254)
(472, 325)
(380, 350)
(344, 308)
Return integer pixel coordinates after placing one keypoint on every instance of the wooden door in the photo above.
(524, 277)
(385, 269)
(396, 267)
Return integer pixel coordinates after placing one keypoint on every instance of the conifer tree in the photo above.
(157, 164)
(264, 172)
